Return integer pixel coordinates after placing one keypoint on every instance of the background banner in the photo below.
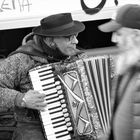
(27, 13)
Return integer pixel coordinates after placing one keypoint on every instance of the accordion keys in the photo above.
(53, 118)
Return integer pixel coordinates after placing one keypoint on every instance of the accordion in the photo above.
(77, 95)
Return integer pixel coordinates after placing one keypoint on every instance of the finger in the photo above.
(41, 107)
(41, 104)
(39, 100)
(41, 95)
(33, 91)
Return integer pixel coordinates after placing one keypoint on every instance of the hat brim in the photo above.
(110, 26)
(76, 28)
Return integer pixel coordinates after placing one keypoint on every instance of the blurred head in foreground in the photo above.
(125, 25)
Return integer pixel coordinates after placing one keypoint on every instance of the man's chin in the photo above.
(73, 51)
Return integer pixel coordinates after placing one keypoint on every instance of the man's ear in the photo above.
(47, 40)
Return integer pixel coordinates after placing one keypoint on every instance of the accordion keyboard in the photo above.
(55, 118)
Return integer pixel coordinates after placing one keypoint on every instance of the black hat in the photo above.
(126, 16)
(59, 25)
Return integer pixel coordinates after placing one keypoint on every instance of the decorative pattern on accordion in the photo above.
(77, 101)
(96, 87)
(87, 90)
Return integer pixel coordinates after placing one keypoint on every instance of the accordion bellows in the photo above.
(85, 84)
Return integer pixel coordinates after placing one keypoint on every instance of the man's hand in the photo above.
(35, 100)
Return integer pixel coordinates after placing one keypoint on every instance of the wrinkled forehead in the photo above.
(126, 33)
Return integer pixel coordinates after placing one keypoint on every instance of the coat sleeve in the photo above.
(10, 73)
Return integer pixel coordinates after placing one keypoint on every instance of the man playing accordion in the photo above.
(34, 92)
(53, 41)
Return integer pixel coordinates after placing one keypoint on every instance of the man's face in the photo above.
(121, 37)
(128, 40)
(67, 45)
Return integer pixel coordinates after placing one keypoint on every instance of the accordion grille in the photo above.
(98, 75)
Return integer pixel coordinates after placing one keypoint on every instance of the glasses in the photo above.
(71, 37)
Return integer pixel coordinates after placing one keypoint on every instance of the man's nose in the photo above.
(114, 38)
(74, 40)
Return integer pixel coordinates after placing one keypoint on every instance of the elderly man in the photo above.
(125, 26)
(52, 41)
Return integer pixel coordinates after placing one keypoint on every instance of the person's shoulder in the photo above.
(19, 56)
(16, 62)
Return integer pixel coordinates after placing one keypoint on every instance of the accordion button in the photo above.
(63, 105)
(70, 128)
(61, 96)
(65, 110)
(62, 101)
(66, 115)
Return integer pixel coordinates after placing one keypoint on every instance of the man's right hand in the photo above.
(35, 100)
